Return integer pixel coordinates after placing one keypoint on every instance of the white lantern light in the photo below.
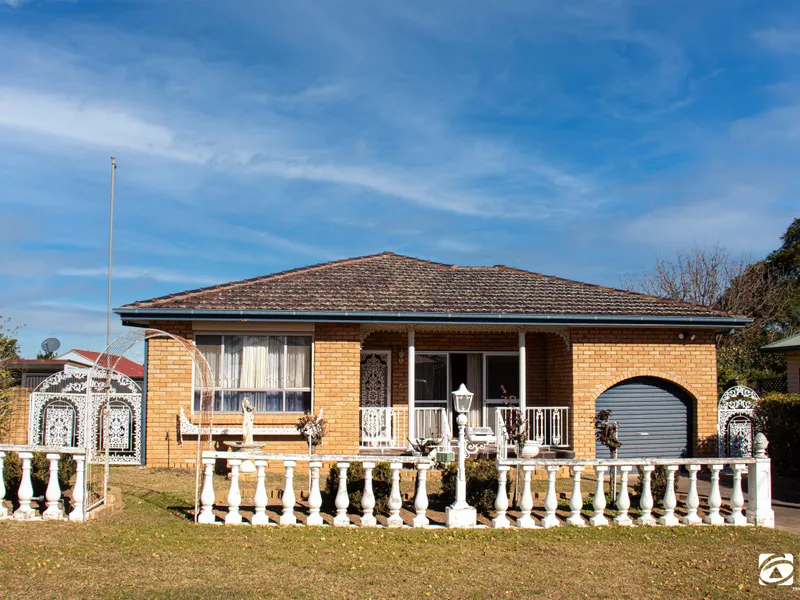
(462, 399)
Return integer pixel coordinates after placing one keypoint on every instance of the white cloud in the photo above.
(152, 273)
(783, 40)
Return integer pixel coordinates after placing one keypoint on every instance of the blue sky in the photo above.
(580, 139)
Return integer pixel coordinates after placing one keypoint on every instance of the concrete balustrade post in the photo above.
(342, 498)
(314, 495)
(421, 498)
(234, 517)
(646, 499)
(207, 496)
(714, 499)
(78, 491)
(670, 502)
(550, 499)
(25, 491)
(53, 493)
(501, 502)
(737, 497)
(287, 499)
(759, 486)
(623, 499)
(526, 500)
(599, 501)
(395, 499)
(692, 498)
(368, 498)
(576, 499)
(260, 497)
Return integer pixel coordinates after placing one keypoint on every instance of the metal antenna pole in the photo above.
(110, 250)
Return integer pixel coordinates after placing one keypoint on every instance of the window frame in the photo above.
(285, 335)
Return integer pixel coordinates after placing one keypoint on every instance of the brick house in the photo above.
(346, 337)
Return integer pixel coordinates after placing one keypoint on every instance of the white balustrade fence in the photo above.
(546, 425)
(757, 511)
(387, 426)
(288, 499)
(51, 503)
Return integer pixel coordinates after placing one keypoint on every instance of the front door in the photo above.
(376, 416)
(467, 368)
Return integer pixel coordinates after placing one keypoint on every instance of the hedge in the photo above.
(381, 486)
(778, 417)
(481, 476)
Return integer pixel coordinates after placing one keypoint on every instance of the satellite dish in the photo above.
(51, 345)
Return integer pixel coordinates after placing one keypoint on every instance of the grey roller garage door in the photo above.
(654, 418)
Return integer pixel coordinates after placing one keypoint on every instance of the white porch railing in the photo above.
(757, 511)
(546, 425)
(53, 495)
(387, 427)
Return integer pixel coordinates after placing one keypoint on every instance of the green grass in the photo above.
(151, 549)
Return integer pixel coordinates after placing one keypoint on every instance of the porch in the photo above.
(508, 369)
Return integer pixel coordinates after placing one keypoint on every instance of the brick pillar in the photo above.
(337, 384)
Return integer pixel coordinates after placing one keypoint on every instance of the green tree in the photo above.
(9, 350)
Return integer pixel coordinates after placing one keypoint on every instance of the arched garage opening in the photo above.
(654, 415)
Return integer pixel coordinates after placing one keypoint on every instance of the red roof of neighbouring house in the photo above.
(123, 365)
(391, 283)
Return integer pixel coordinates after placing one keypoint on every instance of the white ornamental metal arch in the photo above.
(735, 421)
(59, 413)
(99, 391)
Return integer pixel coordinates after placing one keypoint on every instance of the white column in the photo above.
(624, 499)
(260, 497)
(3, 509)
(207, 496)
(526, 500)
(550, 499)
(412, 378)
(576, 499)
(421, 498)
(737, 497)
(342, 498)
(314, 495)
(599, 500)
(77, 513)
(25, 492)
(714, 498)
(287, 499)
(395, 499)
(692, 499)
(501, 502)
(669, 518)
(646, 500)
(759, 486)
(368, 498)
(53, 492)
(234, 495)
(523, 402)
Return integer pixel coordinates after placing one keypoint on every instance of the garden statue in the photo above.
(248, 411)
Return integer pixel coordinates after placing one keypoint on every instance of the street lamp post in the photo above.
(461, 514)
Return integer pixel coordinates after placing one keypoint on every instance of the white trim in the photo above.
(220, 327)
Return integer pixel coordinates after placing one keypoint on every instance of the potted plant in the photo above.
(607, 433)
(517, 427)
(313, 428)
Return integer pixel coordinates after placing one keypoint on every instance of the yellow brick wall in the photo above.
(602, 357)
(15, 430)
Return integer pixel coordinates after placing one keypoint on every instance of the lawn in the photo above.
(151, 549)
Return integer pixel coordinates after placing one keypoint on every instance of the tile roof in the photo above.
(389, 282)
(787, 344)
(124, 365)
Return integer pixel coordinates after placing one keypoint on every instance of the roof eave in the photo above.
(140, 316)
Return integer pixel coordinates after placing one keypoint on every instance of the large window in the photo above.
(273, 371)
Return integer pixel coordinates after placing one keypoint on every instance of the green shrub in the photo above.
(381, 486)
(481, 475)
(40, 473)
(778, 417)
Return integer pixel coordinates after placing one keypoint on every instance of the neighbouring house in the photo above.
(789, 346)
(347, 337)
(32, 373)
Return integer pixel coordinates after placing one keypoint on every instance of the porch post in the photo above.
(412, 378)
(522, 362)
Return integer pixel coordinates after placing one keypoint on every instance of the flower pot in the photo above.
(530, 449)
